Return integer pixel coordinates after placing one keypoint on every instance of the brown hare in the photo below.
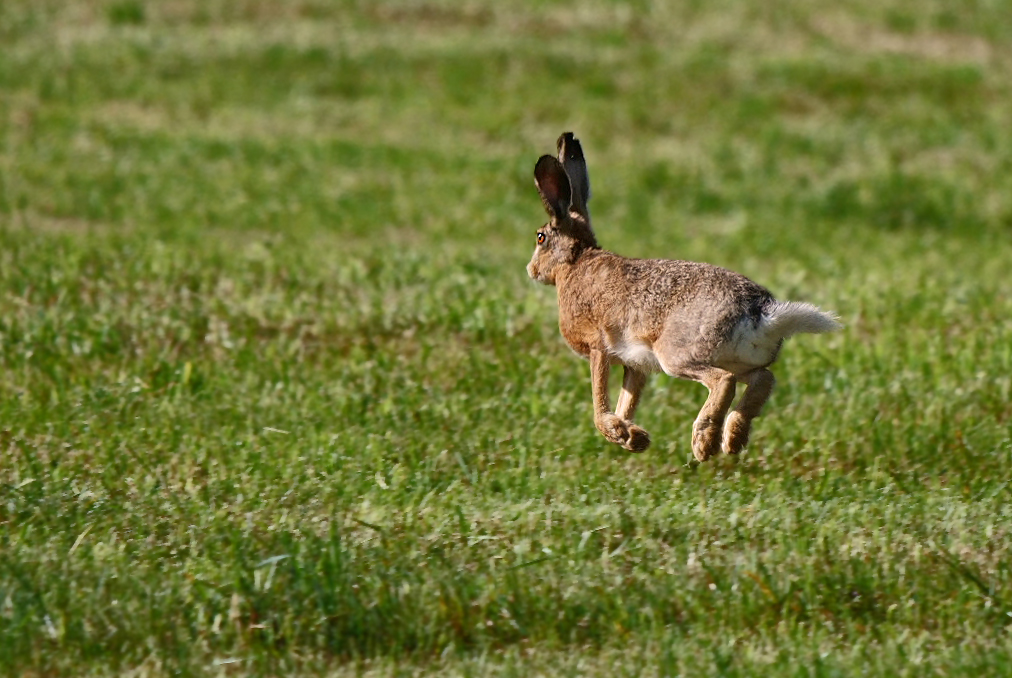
(689, 320)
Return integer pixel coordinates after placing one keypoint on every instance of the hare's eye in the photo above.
(541, 238)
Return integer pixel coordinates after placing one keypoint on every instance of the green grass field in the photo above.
(277, 397)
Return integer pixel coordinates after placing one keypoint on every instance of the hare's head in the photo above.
(565, 189)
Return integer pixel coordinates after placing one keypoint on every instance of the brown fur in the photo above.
(691, 320)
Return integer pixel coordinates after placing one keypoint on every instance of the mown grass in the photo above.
(277, 397)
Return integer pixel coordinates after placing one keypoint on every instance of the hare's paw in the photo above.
(736, 430)
(621, 432)
(705, 438)
(639, 439)
(612, 427)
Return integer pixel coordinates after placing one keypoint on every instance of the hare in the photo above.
(689, 320)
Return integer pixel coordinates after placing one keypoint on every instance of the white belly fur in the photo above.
(749, 347)
(633, 352)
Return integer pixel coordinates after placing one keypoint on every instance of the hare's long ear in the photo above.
(571, 157)
(553, 185)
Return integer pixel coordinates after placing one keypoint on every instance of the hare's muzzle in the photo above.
(532, 267)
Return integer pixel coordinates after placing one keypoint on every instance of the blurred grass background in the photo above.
(277, 397)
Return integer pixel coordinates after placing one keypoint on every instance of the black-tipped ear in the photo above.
(571, 157)
(553, 185)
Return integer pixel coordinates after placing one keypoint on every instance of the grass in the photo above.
(276, 396)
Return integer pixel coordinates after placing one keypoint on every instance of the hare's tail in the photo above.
(786, 318)
(756, 345)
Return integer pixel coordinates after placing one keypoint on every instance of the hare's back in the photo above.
(702, 292)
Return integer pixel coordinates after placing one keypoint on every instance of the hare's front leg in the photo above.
(739, 422)
(633, 382)
(612, 426)
(708, 425)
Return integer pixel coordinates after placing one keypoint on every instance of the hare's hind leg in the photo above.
(739, 422)
(612, 426)
(708, 425)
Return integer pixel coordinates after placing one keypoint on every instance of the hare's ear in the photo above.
(553, 185)
(571, 157)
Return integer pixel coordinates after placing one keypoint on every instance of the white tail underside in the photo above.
(795, 317)
(751, 346)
